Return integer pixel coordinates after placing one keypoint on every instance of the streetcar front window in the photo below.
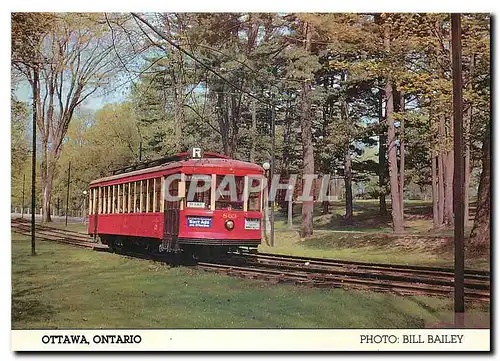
(229, 192)
(198, 192)
(254, 198)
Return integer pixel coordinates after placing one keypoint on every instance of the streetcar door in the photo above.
(171, 213)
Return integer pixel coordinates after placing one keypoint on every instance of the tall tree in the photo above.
(306, 228)
(397, 219)
(77, 58)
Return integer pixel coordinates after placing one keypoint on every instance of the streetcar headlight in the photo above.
(229, 225)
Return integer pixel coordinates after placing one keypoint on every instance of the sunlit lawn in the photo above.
(69, 287)
(76, 227)
(369, 238)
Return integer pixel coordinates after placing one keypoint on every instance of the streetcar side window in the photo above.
(91, 201)
(99, 200)
(142, 205)
(103, 197)
(115, 199)
(105, 200)
(157, 195)
(126, 200)
(137, 197)
(151, 191)
(109, 201)
(132, 197)
(119, 200)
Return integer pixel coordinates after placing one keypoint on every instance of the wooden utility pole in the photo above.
(67, 192)
(33, 160)
(273, 161)
(459, 168)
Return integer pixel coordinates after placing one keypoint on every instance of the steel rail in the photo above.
(304, 278)
(328, 261)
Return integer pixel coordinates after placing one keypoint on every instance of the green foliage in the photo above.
(175, 103)
(96, 144)
(19, 150)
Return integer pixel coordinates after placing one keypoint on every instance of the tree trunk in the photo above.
(435, 211)
(285, 163)
(307, 146)
(398, 224)
(448, 188)
(468, 122)
(179, 121)
(402, 153)
(254, 132)
(46, 182)
(449, 165)
(480, 235)
(467, 125)
(381, 162)
(348, 187)
(47, 198)
(441, 173)
(325, 207)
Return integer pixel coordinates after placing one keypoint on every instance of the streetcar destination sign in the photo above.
(202, 222)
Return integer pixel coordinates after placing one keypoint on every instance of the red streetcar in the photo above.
(188, 202)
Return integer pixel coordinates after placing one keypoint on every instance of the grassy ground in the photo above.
(68, 287)
(76, 227)
(373, 247)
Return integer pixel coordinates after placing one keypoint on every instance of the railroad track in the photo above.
(321, 272)
(315, 272)
(45, 233)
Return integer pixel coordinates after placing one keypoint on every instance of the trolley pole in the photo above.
(459, 168)
(22, 209)
(67, 192)
(273, 161)
(33, 160)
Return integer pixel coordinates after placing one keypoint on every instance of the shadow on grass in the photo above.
(366, 216)
(25, 310)
(362, 221)
(338, 241)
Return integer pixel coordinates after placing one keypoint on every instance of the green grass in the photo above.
(371, 247)
(369, 237)
(69, 287)
(76, 227)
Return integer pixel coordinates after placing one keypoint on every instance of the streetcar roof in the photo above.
(190, 166)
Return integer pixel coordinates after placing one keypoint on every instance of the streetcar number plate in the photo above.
(252, 223)
(202, 222)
